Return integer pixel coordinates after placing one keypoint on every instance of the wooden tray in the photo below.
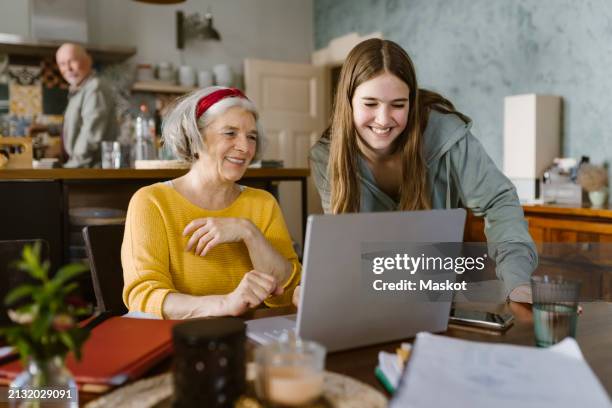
(339, 391)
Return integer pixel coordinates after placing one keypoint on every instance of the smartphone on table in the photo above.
(485, 320)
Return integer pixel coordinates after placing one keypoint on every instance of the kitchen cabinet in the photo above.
(573, 241)
(17, 45)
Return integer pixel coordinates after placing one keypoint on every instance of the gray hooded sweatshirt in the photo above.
(460, 174)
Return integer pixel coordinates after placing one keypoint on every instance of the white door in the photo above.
(292, 101)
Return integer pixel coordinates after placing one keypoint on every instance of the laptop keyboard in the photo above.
(271, 329)
(278, 335)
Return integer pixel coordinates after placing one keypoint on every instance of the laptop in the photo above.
(334, 309)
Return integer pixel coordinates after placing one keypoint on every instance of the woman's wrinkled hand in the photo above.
(206, 233)
(296, 296)
(253, 289)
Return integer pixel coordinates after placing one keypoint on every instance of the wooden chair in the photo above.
(103, 245)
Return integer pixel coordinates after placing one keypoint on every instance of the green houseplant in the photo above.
(45, 325)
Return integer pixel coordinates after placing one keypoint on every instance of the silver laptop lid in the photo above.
(333, 309)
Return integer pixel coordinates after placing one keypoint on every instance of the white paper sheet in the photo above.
(5, 351)
(449, 372)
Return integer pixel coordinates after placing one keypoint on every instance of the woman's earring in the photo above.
(196, 156)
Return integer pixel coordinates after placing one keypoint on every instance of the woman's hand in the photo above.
(206, 233)
(253, 289)
(296, 295)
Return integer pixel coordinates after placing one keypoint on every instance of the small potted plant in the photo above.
(594, 179)
(45, 325)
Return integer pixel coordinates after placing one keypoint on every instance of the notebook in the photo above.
(118, 349)
(450, 372)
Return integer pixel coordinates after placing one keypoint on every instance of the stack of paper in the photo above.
(45, 163)
(448, 372)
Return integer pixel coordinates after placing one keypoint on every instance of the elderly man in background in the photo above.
(90, 115)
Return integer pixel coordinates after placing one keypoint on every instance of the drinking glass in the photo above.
(290, 372)
(111, 155)
(555, 308)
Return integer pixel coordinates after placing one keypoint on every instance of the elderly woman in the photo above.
(201, 244)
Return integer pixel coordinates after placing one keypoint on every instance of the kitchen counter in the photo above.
(276, 174)
(556, 223)
(573, 240)
(36, 203)
(561, 210)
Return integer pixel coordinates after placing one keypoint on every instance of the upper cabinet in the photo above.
(17, 45)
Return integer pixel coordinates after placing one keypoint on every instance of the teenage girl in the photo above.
(394, 147)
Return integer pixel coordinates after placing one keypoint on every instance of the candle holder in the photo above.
(209, 364)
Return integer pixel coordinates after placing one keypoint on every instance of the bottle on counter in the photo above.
(157, 117)
(144, 129)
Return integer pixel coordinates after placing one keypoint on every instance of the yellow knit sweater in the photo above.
(153, 253)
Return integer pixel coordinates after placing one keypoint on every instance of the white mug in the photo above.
(187, 76)
(165, 72)
(205, 79)
(223, 75)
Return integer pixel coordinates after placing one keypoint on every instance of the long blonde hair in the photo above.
(367, 60)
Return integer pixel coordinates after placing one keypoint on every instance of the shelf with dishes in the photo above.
(163, 78)
(160, 87)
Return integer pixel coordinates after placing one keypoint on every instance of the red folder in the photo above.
(118, 349)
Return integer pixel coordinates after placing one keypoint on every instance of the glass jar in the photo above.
(290, 373)
(44, 382)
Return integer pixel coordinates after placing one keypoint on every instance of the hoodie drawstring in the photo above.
(448, 190)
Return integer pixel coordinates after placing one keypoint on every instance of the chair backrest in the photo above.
(10, 275)
(103, 244)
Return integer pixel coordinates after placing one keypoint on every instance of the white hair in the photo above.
(182, 132)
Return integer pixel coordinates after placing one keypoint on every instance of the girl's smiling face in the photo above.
(380, 111)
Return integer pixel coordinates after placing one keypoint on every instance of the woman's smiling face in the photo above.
(231, 142)
(380, 111)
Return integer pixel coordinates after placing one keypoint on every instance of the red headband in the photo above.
(209, 100)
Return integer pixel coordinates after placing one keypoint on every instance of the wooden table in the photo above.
(594, 335)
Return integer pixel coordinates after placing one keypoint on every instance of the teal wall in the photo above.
(475, 52)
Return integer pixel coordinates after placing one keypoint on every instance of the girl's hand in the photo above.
(252, 290)
(521, 294)
(206, 233)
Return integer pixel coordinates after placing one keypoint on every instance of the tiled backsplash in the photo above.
(30, 89)
(33, 89)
